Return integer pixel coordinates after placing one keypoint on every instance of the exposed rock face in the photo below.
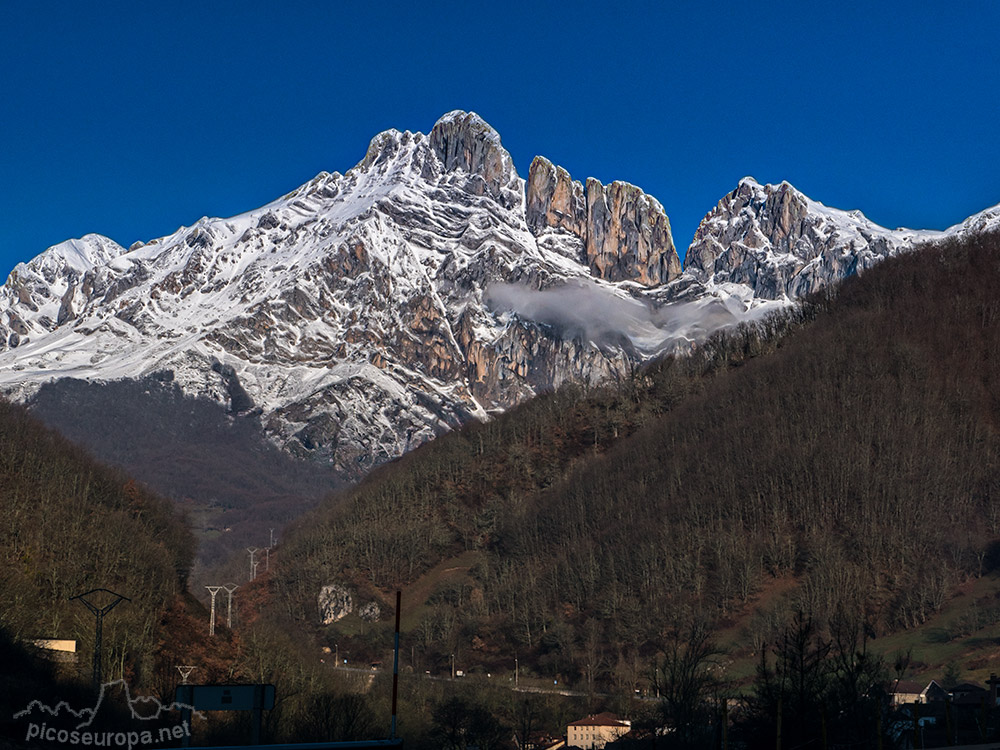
(351, 313)
(782, 244)
(628, 235)
(335, 603)
(370, 612)
(554, 200)
(464, 142)
(623, 234)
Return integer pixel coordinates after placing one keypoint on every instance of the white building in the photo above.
(594, 732)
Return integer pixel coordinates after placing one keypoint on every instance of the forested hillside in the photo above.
(853, 468)
(832, 467)
(69, 525)
(233, 483)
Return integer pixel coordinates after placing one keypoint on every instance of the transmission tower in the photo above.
(99, 613)
(213, 590)
(185, 673)
(230, 588)
(253, 566)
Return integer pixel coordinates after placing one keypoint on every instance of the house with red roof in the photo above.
(595, 731)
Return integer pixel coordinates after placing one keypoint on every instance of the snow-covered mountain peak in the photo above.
(74, 255)
(43, 286)
(463, 141)
(782, 244)
(384, 146)
(468, 126)
(987, 220)
(749, 182)
(353, 313)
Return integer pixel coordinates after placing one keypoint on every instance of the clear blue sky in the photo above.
(132, 118)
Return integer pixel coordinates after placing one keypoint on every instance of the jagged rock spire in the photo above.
(625, 234)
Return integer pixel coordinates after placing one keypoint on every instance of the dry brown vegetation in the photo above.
(859, 457)
(69, 525)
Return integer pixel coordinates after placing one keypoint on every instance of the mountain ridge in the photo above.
(833, 460)
(355, 315)
(368, 287)
(783, 243)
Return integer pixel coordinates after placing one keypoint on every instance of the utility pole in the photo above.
(515, 671)
(395, 668)
(230, 588)
(253, 566)
(99, 613)
(213, 590)
(453, 666)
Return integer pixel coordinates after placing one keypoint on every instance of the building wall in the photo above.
(593, 737)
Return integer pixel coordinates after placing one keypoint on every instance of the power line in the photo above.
(185, 671)
(99, 613)
(230, 588)
(213, 590)
(253, 566)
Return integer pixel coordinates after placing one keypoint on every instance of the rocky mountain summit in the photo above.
(782, 244)
(365, 312)
(621, 233)
(352, 314)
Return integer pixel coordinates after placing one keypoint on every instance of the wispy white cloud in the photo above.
(585, 309)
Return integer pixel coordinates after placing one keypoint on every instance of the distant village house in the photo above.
(594, 732)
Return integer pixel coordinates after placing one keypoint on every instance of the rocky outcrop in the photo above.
(623, 234)
(628, 235)
(464, 141)
(782, 244)
(370, 612)
(335, 603)
(554, 200)
(350, 315)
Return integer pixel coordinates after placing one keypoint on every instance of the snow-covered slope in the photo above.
(782, 244)
(354, 312)
(363, 313)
